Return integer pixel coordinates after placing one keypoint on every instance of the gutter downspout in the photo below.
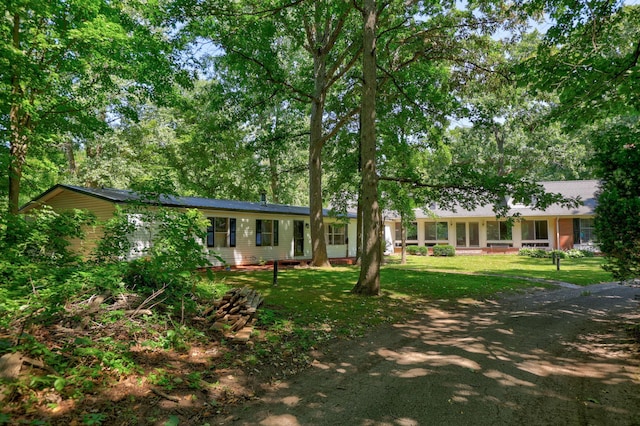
(557, 233)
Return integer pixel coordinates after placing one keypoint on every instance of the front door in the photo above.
(461, 234)
(474, 234)
(298, 238)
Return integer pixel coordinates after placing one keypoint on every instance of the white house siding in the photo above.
(141, 237)
(388, 238)
(247, 253)
(343, 250)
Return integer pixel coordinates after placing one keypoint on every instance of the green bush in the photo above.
(42, 236)
(559, 254)
(574, 253)
(38, 270)
(173, 255)
(413, 250)
(115, 244)
(588, 253)
(525, 252)
(417, 250)
(533, 252)
(444, 250)
(540, 253)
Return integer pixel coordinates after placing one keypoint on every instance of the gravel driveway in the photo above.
(554, 357)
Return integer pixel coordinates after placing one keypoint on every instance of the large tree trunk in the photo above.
(403, 238)
(72, 167)
(359, 230)
(369, 281)
(18, 126)
(18, 155)
(500, 145)
(274, 180)
(319, 255)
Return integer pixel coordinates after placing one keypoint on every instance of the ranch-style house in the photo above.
(245, 233)
(479, 231)
(240, 232)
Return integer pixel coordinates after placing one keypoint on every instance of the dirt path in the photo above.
(558, 357)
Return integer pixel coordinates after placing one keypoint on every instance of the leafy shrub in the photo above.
(116, 244)
(540, 253)
(578, 253)
(574, 253)
(140, 274)
(177, 247)
(559, 254)
(417, 250)
(171, 256)
(534, 252)
(42, 235)
(444, 250)
(41, 279)
(525, 251)
(413, 250)
(38, 270)
(588, 253)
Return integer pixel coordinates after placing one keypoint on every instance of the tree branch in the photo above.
(270, 76)
(227, 12)
(336, 128)
(333, 78)
(333, 37)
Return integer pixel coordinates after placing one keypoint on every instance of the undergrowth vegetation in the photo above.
(562, 254)
(81, 328)
(74, 322)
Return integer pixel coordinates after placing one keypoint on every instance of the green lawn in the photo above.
(321, 298)
(581, 271)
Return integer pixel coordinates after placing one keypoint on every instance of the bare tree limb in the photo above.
(340, 123)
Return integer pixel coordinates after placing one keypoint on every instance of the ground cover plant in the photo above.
(91, 363)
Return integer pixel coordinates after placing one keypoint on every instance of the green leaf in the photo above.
(173, 421)
(59, 384)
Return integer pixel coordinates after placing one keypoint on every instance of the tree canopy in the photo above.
(193, 96)
(71, 66)
(589, 59)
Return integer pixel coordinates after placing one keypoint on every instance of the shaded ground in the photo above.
(549, 357)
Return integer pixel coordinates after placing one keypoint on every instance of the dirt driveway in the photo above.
(558, 357)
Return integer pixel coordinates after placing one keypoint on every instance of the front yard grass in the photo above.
(580, 271)
(321, 298)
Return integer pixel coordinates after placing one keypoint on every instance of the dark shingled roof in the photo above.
(121, 196)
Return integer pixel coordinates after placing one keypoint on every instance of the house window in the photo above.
(535, 230)
(221, 232)
(266, 233)
(412, 231)
(436, 232)
(583, 231)
(498, 231)
(336, 234)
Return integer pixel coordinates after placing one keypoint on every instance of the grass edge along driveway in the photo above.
(320, 299)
